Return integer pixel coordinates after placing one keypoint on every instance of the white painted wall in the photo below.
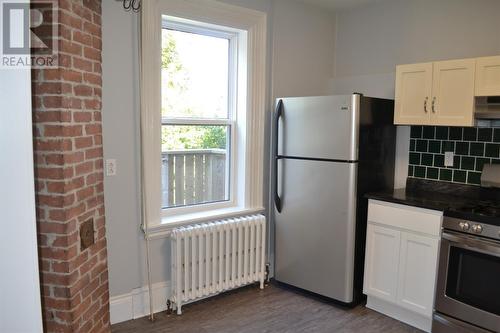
(303, 54)
(20, 307)
(120, 113)
(371, 40)
(295, 33)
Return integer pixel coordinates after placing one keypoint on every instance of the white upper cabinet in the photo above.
(439, 93)
(488, 76)
(453, 93)
(413, 94)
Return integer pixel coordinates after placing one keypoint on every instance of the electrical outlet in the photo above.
(448, 158)
(111, 167)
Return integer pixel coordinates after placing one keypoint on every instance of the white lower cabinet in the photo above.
(402, 245)
(417, 272)
(381, 272)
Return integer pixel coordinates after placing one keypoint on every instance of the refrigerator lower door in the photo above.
(315, 231)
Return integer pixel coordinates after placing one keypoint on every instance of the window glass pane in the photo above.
(195, 164)
(195, 77)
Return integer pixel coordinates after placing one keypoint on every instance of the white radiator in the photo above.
(210, 258)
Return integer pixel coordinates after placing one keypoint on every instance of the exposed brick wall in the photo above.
(69, 175)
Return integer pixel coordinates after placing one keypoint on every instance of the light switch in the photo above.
(448, 158)
(111, 167)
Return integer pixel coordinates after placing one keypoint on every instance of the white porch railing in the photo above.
(193, 176)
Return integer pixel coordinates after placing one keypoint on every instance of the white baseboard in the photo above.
(135, 304)
(121, 308)
(394, 311)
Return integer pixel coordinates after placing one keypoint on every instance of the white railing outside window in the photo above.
(191, 177)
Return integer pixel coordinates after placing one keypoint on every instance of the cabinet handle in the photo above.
(434, 105)
(425, 104)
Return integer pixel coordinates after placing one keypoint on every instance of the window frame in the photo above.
(250, 127)
(178, 24)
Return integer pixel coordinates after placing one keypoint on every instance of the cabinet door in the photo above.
(413, 94)
(453, 93)
(417, 273)
(381, 263)
(488, 76)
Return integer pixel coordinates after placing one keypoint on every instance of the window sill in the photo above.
(164, 229)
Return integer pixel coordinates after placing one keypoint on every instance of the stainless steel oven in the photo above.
(468, 285)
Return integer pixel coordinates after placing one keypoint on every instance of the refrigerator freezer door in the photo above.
(315, 232)
(324, 127)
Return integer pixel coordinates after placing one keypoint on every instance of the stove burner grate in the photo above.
(483, 209)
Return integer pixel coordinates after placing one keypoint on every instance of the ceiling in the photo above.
(338, 4)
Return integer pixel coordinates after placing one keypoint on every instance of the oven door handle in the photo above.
(484, 245)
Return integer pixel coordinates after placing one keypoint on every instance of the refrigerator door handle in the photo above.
(277, 116)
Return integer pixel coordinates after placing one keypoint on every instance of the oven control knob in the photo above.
(464, 226)
(477, 228)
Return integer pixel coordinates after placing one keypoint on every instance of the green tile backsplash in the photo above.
(473, 147)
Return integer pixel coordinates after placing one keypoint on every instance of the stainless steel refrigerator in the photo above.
(328, 152)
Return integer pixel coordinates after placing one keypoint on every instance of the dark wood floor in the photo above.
(274, 309)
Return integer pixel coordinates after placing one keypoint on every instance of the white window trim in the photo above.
(251, 85)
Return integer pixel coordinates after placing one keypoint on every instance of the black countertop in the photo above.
(446, 197)
(424, 199)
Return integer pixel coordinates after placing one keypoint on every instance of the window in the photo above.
(202, 111)
(198, 115)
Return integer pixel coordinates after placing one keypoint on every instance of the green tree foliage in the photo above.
(193, 137)
(184, 137)
(214, 137)
(171, 62)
